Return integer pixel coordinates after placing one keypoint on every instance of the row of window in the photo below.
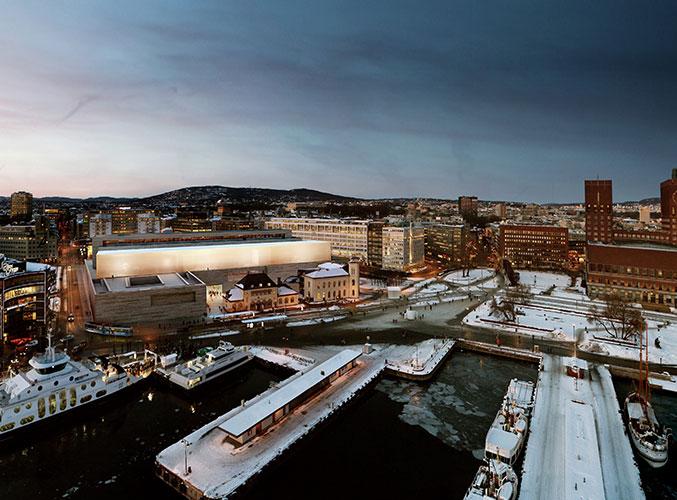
(635, 271)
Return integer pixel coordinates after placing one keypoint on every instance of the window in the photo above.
(101, 393)
(74, 396)
(27, 420)
(52, 403)
(41, 407)
(86, 398)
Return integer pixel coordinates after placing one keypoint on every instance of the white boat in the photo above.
(508, 433)
(207, 367)
(56, 384)
(494, 480)
(648, 435)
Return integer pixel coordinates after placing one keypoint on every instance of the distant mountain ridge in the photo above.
(197, 194)
(203, 194)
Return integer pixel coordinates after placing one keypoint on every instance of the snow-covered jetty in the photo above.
(576, 432)
(423, 362)
(208, 463)
(224, 455)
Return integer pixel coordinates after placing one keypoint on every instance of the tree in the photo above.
(514, 296)
(617, 316)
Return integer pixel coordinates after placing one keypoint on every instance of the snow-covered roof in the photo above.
(234, 294)
(249, 417)
(501, 442)
(330, 265)
(285, 290)
(328, 273)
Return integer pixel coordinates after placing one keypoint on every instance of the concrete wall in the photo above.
(142, 306)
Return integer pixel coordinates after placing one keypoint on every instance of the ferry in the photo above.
(494, 480)
(209, 365)
(112, 331)
(56, 384)
(508, 433)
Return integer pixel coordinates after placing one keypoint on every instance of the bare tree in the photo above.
(617, 316)
(514, 296)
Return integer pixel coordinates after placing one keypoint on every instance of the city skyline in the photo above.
(515, 103)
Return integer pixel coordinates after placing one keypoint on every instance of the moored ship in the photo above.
(56, 384)
(648, 435)
(206, 367)
(508, 432)
(494, 480)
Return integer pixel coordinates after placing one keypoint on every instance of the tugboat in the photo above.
(206, 367)
(508, 432)
(648, 435)
(56, 384)
(494, 480)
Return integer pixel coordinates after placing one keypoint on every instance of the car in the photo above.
(32, 343)
(67, 338)
(77, 350)
(71, 318)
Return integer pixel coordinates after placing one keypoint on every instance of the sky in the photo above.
(517, 101)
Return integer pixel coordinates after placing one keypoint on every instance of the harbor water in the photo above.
(400, 440)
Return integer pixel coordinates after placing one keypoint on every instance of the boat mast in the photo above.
(646, 364)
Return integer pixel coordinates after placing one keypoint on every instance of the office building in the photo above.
(21, 207)
(403, 248)
(348, 238)
(36, 241)
(540, 247)
(444, 243)
(467, 205)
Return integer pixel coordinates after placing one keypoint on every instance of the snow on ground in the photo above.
(457, 278)
(556, 317)
(545, 473)
(315, 321)
(540, 281)
(296, 359)
(391, 315)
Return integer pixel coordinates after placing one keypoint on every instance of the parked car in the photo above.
(67, 338)
(32, 343)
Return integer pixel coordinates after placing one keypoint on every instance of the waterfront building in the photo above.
(21, 207)
(331, 282)
(258, 292)
(23, 298)
(141, 278)
(638, 264)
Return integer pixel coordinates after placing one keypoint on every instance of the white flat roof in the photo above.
(249, 417)
(583, 470)
(167, 259)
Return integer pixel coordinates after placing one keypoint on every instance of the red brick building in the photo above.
(544, 247)
(641, 265)
(642, 274)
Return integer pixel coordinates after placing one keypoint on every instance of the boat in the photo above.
(111, 331)
(648, 435)
(56, 384)
(494, 480)
(207, 366)
(508, 432)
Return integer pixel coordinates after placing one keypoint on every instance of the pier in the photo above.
(211, 463)
(576, 430)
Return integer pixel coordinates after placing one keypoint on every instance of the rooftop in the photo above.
(249, 417)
